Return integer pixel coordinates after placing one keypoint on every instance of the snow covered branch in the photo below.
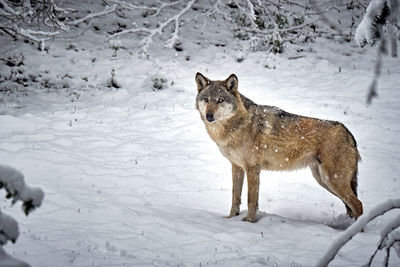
(13, 182)
(325, 18)
(359, 225)
(370, 29)
(17, 20)
(8, 229)
(379, 13)
(106, 11)
(266, 25)
(173, 39)
(372, 91)
(389, 237)
(28, 34)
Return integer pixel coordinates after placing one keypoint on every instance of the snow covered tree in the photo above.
(13, 182)
(262, 25)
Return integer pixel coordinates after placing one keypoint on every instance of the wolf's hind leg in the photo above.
(340, 184)
(237, 185)
(316, 173)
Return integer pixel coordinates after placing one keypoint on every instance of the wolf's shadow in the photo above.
(340, 222)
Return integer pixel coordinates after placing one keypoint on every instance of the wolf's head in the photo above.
(217, 100)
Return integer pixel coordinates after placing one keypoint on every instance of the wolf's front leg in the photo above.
(237, 185)
(253, 184)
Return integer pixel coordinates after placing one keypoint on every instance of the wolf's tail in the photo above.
(352, 141)
(354, 183)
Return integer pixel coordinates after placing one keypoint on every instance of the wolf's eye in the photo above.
(220, 100)
(205, 99)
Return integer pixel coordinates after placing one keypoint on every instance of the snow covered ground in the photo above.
(132, 179)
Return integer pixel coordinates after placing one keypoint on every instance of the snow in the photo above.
(132, 178)
(7, 261)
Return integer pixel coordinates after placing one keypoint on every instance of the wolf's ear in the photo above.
(201, 81)
(232, 83)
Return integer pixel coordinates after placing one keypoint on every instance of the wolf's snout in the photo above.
(210, 116)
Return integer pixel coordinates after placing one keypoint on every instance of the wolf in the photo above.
(260, 137)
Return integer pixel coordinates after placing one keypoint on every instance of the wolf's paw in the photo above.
(234, 212)
(249, 219)
(251, 214)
